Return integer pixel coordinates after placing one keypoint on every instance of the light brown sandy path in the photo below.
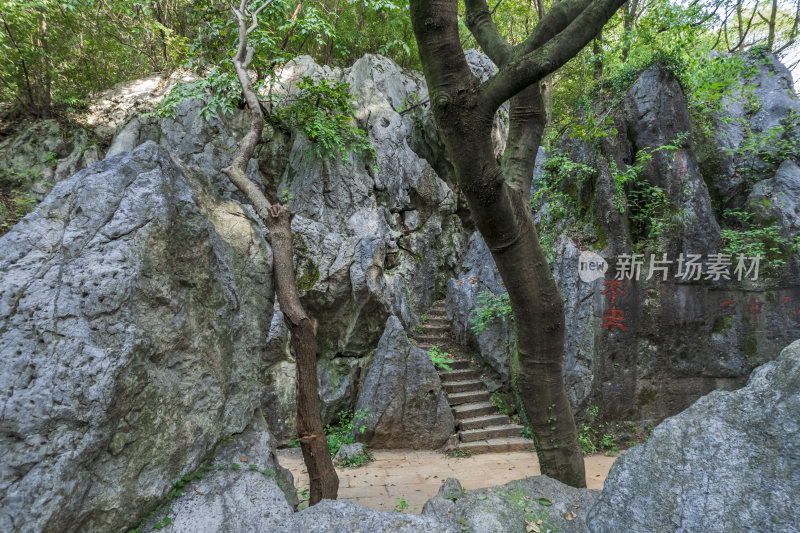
(416, 476)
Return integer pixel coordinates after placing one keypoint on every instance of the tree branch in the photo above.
(558, 18)
(480, 24)
(254, 15)
(534, 66)
(527, 119)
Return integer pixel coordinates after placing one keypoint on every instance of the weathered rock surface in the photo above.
(334, 516)
(777, 200)
(133, 308)
(731, 461)
(403, 395)
(227, 500)
(660, 363)
(478, 274)
(43, 154)
(348, 452)
(511, 506)
(125, 100)
(759, 112)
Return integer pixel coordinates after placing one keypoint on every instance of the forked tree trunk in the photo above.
(498, 196)
(324, 483)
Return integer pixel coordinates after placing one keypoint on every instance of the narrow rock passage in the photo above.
(481, 427)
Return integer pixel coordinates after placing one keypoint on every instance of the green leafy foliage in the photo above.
(344, 431)
(491, 308)
(741, 236)
(594, 438)
(440, 358)
(401, 506)
(323, 112)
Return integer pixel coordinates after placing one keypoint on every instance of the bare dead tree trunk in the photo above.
(772, 19)
(627, 27)
(597, 52)
(324, 483)
(358, 31)
(498, 196)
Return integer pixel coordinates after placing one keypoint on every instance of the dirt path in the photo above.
(415, 476)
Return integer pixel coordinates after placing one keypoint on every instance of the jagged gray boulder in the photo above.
(512, 506)
(731, 461)
(333, 516)
(133, 306)
(348, 452)
(478, 274)
(757, 116)
(776, 201)
(42, 154)
(402, 396)
(243, 489)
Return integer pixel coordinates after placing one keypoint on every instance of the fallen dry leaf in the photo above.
(242, 458)
(198, 492)
(530, 526)
(567, 516)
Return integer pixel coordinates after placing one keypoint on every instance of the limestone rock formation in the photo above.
(749, 134)
(372, 238)
(402, 393)
(730, 461)
(133, 308)
(243, 489)
(334, 516)
(539, 501)
(660, 363)
(348, 452)
(43, 154)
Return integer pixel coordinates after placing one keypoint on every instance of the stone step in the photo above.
(474, 409)
(436, 322)
(483, 421)
(463, 386)
(460, 364)
(436, 312)
(458, 375)
(501, 445)
(491, 432)
(432, 339)
(468, 397)
(430, 329)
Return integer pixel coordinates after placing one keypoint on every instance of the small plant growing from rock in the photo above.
(401, 506)
(344, 432)
(440, 358)
(459, 453)
(491, 307)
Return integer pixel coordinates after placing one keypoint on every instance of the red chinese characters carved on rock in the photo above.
(613, 318)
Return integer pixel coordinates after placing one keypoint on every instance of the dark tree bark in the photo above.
(324, 483)
(498, 194)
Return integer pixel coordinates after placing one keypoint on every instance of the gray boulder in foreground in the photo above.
(133, 306)
(534, 501)
(244, 489)
(731, 462)
(403, 396)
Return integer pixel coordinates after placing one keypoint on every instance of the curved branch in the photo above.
(534, 66)
(551, 24)
(480, 24)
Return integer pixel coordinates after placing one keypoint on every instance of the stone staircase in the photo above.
(481, 428)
